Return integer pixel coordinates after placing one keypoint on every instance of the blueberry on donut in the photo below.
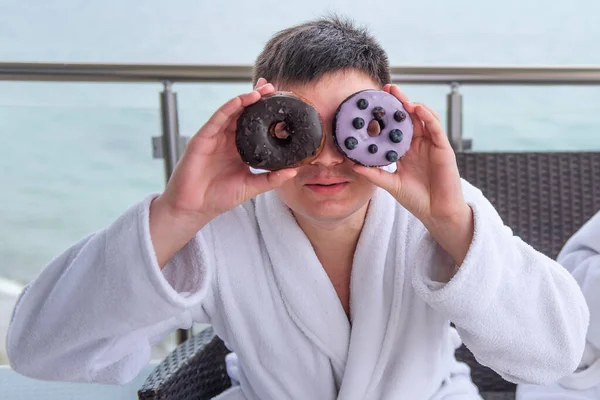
(372, 128)
(279, 131)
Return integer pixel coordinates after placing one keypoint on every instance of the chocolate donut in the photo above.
(356, 117)
(279, 131)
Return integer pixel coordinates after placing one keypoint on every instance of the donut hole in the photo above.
(374, 127)
(280, 131)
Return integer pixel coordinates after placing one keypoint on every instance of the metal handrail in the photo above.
(169, 146)
(422, 75)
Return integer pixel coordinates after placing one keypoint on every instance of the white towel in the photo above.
(95, 310)
(581, 256)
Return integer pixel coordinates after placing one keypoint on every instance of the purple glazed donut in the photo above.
(353, 118)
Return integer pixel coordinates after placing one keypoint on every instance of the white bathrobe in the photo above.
(581, 256)
(94, 312)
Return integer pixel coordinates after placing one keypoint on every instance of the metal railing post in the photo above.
(171, 149)
(454, 113)
(170, 128)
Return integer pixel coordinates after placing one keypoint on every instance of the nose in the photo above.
(330, 155)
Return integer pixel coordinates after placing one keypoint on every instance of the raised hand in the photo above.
(209, 179)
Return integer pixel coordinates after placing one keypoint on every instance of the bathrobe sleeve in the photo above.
(581, 256)
(519, 312)
(95, 311)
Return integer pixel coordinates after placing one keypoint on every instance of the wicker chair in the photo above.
(543, 197)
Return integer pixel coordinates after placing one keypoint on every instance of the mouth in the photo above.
(325, 186)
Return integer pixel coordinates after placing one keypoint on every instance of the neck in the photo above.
(334, 238)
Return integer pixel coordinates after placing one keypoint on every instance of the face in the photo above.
(327, 189)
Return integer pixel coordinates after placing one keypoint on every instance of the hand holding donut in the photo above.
(427, 181)
(209, 179)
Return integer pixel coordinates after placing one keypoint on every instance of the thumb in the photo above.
(260, 82)
(380, 177)
(260, 183)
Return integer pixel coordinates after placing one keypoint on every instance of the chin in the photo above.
(326, 209)
(330, 210)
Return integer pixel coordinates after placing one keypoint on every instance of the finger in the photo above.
(431, 110)
(221, 118)
(260, 82)
(418, 125)
(260, 183)
(433, 127)
(266, 89)
(380, 177)
(395, 90)
(231, 125)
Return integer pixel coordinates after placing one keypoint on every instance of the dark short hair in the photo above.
(304, 53)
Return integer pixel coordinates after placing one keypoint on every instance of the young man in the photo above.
(328, 281)
(581, 257)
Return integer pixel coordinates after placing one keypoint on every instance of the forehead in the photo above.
(327, 93)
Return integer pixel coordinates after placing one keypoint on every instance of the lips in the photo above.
(327, 185)
(326, 181)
